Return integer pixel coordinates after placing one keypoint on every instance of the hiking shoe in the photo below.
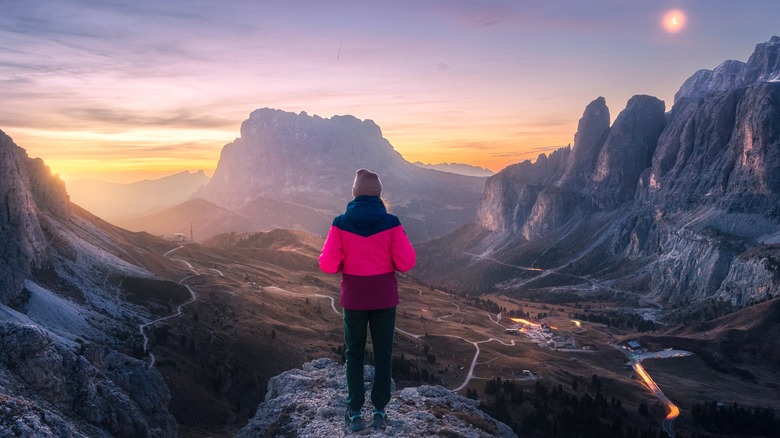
(380, 419)
(354, 420)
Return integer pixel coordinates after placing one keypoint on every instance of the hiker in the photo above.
(367, 245)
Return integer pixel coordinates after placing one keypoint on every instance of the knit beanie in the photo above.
(366, 184)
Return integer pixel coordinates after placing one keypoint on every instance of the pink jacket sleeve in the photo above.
(404, 256)
(332, 257)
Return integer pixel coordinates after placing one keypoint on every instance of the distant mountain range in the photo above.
(292, 170)
(113, 201)
(659, 209)
(461, 169)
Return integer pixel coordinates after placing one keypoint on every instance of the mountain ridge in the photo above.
(691, 198)
(120, 201)
(459, 168)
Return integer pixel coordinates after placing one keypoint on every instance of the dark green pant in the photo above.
(382, 325)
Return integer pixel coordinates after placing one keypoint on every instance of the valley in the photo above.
(263, 307)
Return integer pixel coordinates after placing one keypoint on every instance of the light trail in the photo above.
(674, 411)
(527, 322)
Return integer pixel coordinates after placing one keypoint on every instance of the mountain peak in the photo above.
(762, 66)
(591, 133)
(298, 161)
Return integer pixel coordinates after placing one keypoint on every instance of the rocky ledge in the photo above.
(310, 402)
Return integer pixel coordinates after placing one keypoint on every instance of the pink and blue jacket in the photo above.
(367, 245)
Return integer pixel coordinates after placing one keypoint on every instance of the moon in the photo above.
(673, 20)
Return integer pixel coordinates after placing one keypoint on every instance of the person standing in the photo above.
(367, 245)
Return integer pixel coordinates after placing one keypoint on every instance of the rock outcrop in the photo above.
(310, 402)
(47, 390)
(510, 195)
(627, 152)
(304, 165)
(592, 131)
(674, 208)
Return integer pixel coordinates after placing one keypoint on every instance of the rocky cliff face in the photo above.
(61, 308)
(716, 183)
(23, 246)
(47, 390)
(592, 131)
(510, 195)
(311, 402)
(601, 172)
(297, 161)
(678, 208)
(627, 151)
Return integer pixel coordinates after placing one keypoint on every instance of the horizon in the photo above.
(123, 93)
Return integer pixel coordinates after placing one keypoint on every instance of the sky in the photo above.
(128, 90)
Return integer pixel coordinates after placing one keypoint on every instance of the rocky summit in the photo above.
(311, 401)
(662, 209)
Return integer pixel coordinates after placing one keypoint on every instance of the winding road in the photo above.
(193, 297)
(594, 285)
(332, 300)
(469, 375)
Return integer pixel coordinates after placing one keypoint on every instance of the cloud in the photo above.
(472, 145)
(529, 152)
(180, 118)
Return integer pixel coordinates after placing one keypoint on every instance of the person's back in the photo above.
(367, 245)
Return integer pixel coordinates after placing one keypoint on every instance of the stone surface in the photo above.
(311, 402)
(60, 309)
(511, 194)
(23, 246)
(48, 390)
